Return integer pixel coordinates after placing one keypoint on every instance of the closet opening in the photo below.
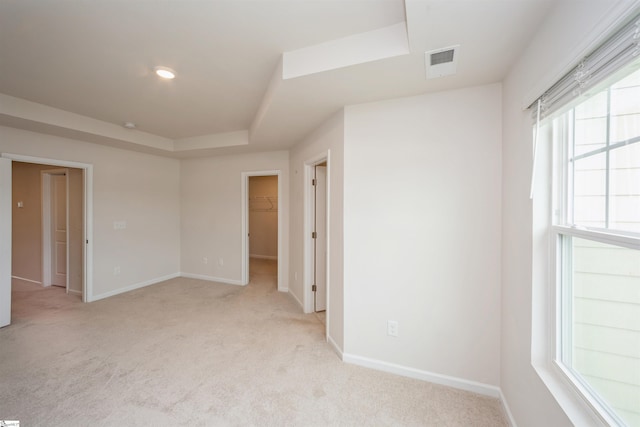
(262, 228)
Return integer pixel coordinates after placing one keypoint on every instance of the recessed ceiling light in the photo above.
(165, 73)
(129, 125)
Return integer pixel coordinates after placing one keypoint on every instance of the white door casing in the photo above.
(5, 242)
(245, 225)
(87, 220)
(308, 227)
(320, 241)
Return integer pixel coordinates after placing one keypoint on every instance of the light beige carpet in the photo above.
(194, 353)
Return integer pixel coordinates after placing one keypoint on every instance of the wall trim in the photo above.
(211, 279)
(271, 257)
(507, 410)
(75, 292)
(296, 299)
(133, 287)
(405, 371)
(336, 348)
(27, 280)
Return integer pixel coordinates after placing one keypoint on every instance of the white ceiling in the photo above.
(80, 68)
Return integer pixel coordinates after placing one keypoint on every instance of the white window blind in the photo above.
(618, 51)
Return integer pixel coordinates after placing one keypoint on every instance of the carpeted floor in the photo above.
(194, 353)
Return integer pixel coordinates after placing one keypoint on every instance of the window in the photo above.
(596, 225)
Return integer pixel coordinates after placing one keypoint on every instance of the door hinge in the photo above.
(314, 235)
(314, 288)
(313, 182)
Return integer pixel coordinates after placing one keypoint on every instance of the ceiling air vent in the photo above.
(442, 62)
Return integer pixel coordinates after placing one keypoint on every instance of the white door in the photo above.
(59, 230)
(5, 242)
(320, 241)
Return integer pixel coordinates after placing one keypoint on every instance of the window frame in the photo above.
(560, 238)
(564, 206)
(560, 235)
(543, 248)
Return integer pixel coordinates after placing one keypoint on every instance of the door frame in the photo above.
(319, 240)
(245, 225)
(5, 241)
(47, 214)
(87, 232)
(308, 252)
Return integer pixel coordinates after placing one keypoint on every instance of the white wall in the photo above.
(141, 189)
(26, 244)
(422, 233)
(211, 203)
(560, 42)
(330, 136)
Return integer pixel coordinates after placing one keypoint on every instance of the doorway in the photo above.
(317, 286)
(13, 212)
(262, 222)
(62, 228)
(263, 226)
(319, 235)
(48, 224)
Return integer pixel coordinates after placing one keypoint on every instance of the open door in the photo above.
(5, 242)
(60, 236)
(320, 238)
(55, 226)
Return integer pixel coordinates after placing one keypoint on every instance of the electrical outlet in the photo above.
(205, 260)
(392, 328)
(119, 225)
(116, 270)
(221, 262)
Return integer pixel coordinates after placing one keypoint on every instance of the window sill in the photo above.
(572, 402)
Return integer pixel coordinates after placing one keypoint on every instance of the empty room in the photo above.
(318, 213)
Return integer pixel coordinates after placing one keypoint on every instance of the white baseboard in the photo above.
(263, 257)
(74, 292)
(335, 347)
(460, 383)
(27, 280)
(507, 410)
(132, 287)
(212, 279)
(295, 297)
